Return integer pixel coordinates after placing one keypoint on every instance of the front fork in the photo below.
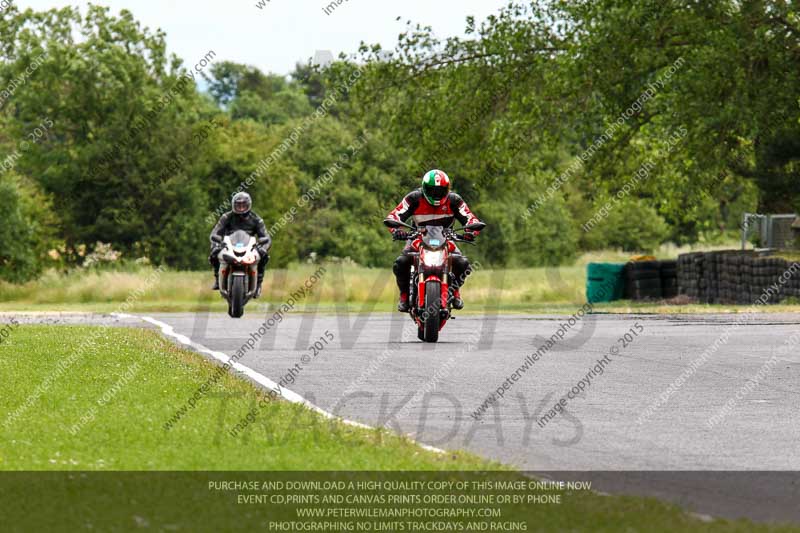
(224, 277)
(224, 269)
(419, 280)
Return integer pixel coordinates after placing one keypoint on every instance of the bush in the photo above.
(23, 239)
(629, 224)
(546, 238)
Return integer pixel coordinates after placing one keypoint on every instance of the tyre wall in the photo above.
(736, 277)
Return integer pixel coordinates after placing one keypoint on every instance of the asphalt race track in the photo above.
(626, 419)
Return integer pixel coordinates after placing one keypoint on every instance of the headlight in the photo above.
(433, 258)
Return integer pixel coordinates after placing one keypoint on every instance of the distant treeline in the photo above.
(543, 116)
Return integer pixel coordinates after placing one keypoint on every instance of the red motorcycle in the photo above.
(429, 294)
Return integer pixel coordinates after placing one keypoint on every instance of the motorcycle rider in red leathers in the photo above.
(433, 204)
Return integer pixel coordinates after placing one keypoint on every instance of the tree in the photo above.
(249, 93)
(736, 87)
(120, 112)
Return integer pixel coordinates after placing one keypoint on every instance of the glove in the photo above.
(400, 235)
(468, 236)
(262, 251)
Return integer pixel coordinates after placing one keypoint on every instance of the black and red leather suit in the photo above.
(414, 206)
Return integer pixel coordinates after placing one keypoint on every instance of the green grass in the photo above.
(127, 434)
(353, 288)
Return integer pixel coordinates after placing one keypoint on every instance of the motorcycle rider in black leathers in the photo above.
(241, 218)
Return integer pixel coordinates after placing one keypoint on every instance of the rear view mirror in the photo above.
(475, 226)
(392, 223)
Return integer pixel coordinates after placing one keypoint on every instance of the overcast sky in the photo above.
(283, 32)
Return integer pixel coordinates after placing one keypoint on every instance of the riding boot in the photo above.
(216, 278)
(402, 304)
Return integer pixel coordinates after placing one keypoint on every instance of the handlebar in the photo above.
(449, 233)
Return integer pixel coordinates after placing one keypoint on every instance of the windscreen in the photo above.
(240, 239)
(434, 237)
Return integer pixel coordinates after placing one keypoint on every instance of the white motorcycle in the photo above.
(238, 272)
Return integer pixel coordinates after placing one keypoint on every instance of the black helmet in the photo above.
(241, 203)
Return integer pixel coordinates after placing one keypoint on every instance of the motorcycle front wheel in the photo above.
(237, 297)
(431, 313)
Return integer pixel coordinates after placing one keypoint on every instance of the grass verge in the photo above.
(148, 378)
(124, 385)
(555, 290)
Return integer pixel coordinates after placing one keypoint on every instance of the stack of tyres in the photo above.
(605, 282)
(686, 276)
(764, 273)
(642, 280)
(746, 291)
(778, 269)
(712, 275)
(729, 279)
(669, 278)
(735, 277)
(738, 280)
(701, 267)
(708, 279)
(691, 272)
(760, 269)
(793, 285)
(727, 275)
